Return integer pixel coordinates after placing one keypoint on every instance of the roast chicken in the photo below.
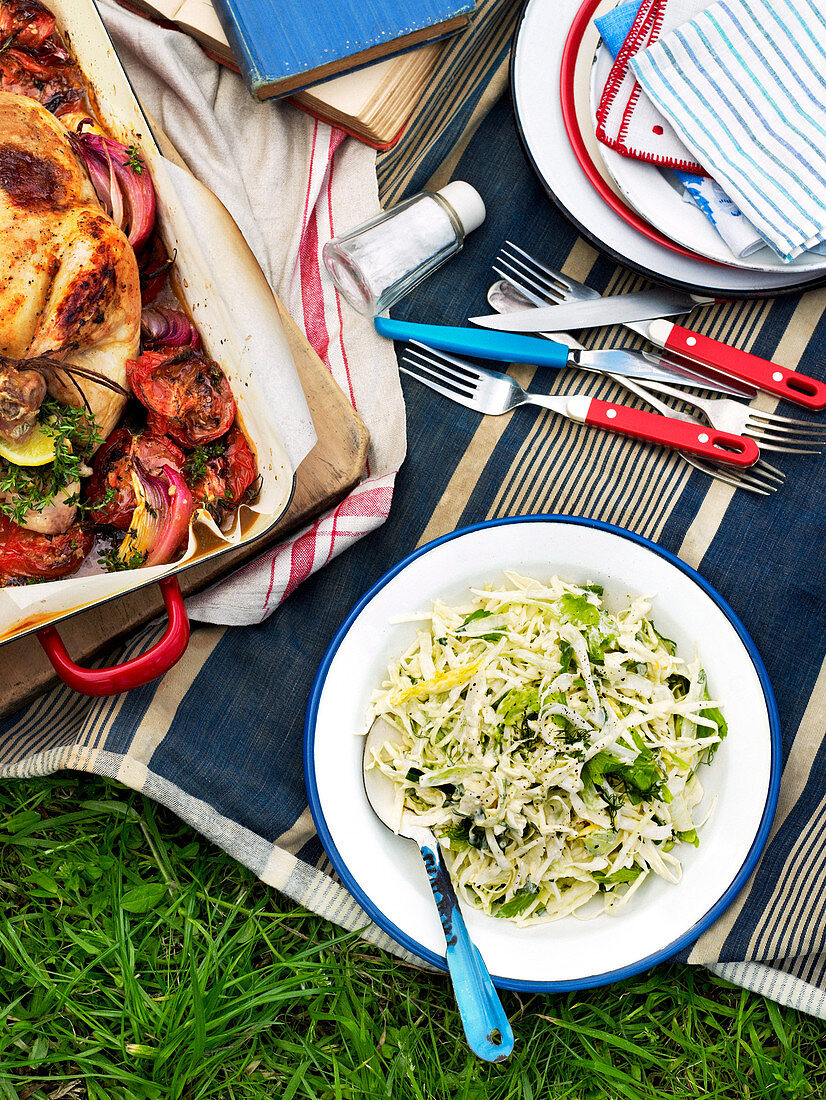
(69, 286)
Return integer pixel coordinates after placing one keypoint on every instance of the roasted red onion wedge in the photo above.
(160, 522)
(110, 492)
(168, 328)
(121, 182)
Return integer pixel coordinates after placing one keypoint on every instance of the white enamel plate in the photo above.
(385, 873)
(539, 48)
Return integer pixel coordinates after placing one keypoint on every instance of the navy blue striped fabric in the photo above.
(235, 740)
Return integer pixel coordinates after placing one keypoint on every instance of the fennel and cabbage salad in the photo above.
(552, 747)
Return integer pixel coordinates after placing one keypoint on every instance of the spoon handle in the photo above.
(487, 1029)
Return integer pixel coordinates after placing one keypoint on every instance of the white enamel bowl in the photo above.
(385, 873)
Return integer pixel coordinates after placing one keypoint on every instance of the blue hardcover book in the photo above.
(282, 46)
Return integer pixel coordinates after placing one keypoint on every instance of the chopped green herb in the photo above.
(579, 609)
(195, 466)
(517, 705)
(624, 874)
(134, 160)
(520, 901)
(566, 655)
(112, 563)
(34, 488)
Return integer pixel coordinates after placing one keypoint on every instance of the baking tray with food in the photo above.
(150, 411)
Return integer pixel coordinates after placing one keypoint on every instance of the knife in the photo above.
(509, 348)
(613, 309)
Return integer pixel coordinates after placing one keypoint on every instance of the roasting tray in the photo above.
(228, 297)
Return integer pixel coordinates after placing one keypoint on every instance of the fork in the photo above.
(773, 432)
(772, 429)
(761, 478)
(488, 391)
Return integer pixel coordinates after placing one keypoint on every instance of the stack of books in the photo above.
(325, 54)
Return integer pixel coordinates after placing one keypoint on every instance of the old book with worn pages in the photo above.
(373, 102)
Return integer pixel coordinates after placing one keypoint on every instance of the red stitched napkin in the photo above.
(626, 119)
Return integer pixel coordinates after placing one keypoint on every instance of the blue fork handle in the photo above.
(488, 1032)
(505, 347)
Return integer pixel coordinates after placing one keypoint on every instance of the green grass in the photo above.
(138, 961)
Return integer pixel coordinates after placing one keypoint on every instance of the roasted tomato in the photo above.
(26, 22)
(219, 480)
(111, 482)
(27, 554)
(186, 393)
(33, 62)
(242, 468)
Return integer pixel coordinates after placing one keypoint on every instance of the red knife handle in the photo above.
(683, 435)
(131, 674)
(780, 381)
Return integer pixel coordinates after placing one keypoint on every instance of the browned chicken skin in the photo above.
(69, 287)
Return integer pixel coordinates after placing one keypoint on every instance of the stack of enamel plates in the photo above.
(627, 208)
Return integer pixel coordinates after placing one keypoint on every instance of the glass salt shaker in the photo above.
(377, 263)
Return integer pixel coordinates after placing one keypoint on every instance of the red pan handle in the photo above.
(131, 674)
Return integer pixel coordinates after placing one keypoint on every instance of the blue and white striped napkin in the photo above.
(701, 191)
(744, 86)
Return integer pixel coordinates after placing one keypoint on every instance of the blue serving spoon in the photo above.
(488, 1032)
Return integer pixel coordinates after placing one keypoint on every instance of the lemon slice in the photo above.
(35, 450)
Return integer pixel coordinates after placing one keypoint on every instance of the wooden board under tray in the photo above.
(328, 473)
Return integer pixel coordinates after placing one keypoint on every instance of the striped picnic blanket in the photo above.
(238, 778)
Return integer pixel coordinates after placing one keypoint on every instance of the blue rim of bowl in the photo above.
(592, 980)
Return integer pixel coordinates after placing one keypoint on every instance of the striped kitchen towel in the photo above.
(743, 85)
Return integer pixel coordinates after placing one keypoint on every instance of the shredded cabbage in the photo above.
(551, 746)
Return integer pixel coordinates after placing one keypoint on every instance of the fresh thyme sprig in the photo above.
(34, 488)
(134, 160)
(110, 560)
(196, 461)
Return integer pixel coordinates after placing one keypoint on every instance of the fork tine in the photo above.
(776, 418)
(448, 364)
(782, 435)
(784, 426)
(756, 479)
(770, 473)
(553, 288)
(536, 267)
(757, 475)
(437, 371)
(774, 441)
(552, 294)
(763, 465)
(739, 479)
(429, 379)
(774, 436)
(549, 284)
